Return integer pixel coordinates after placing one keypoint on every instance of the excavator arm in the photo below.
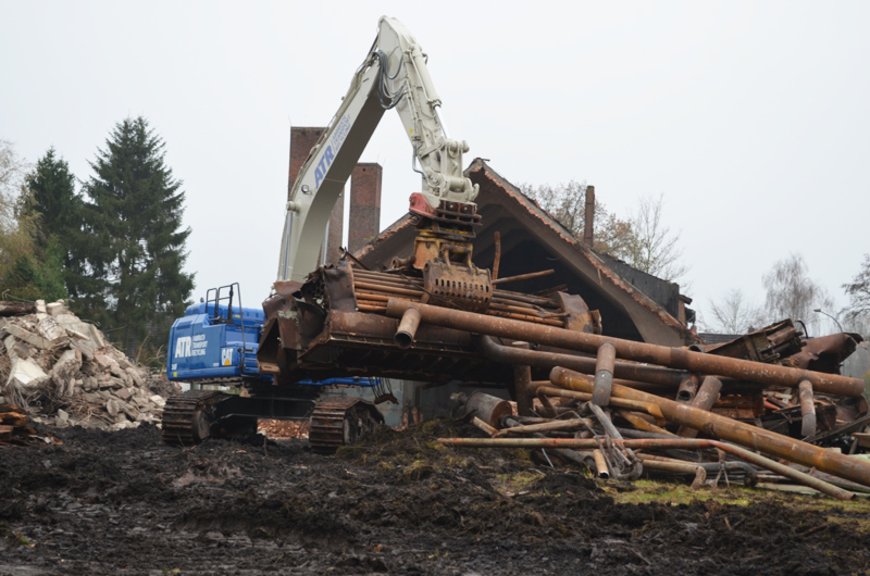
(393, 75)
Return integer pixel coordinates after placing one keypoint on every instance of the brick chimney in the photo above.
(365, 205)
(589, 217)
(302, 140)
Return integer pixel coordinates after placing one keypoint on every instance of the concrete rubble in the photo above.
(63, 372)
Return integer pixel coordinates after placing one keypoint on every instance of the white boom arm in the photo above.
(394, 74)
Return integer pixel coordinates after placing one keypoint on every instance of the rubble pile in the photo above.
(64, 372)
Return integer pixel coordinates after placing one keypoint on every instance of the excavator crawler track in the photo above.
(336, 423)
(188, 417)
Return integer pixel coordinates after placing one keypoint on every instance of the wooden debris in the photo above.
(8, 308)
(15, 426)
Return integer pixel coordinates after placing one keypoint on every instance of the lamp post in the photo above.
(837, 322)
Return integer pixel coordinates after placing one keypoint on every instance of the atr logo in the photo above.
(187, 346)
(323, 166)
(183, 347)
(339, 133)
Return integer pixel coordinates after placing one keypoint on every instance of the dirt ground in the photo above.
(123, 503)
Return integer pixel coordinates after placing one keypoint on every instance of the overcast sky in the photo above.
(751, 119)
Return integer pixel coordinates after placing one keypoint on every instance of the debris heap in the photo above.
(615, 411)
(64, 372)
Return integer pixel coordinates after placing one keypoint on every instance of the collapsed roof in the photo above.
(632, 304)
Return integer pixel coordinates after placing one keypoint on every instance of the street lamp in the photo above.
(820, 311)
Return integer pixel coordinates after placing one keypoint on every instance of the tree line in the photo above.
(112, 245)
(644, 241)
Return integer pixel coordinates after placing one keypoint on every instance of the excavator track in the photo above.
(188, 417)
(336, 423)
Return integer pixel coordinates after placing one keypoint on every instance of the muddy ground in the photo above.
(122, 503)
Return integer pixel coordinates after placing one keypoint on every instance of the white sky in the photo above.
(753, 119)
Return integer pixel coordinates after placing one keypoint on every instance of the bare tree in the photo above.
(858, 289)
(16, 244)
(734, 315)
(567, 204)
(655, 249)
(792, 294)
(11, 178)
(643, 241)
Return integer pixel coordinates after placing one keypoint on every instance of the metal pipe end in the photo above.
(407, 330)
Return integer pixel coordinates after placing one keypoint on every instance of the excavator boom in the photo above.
(392, 76)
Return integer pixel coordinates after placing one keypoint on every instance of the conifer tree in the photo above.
(50, 211)
(133, 282)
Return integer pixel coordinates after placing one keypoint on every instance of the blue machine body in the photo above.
(209, 342)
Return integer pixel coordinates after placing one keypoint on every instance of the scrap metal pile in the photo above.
(337, 324)
(769, 394)
(622, 419)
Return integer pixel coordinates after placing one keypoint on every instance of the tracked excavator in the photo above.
(330, 321)
(392, 76)
(429, 316)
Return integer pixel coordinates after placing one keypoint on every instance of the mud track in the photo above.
(122, 503)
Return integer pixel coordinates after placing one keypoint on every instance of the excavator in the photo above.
(392, 76)
(433, 315)
(330, 321)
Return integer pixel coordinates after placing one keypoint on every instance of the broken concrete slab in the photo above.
(49, 329)
(25, 335)
(56, 308)
(69, 364)
(25, 373)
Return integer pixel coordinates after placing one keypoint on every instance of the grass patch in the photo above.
(512, 484)
(652, 491)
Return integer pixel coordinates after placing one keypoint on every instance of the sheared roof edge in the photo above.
(479, 165)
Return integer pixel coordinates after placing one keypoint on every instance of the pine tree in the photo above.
(50, 211)
(29, 268)
(134, 283)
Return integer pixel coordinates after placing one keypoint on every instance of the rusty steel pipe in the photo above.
(604, 363)
(487, 429)
(407, 329)
(600, 464)
(659, 377)
(549, 426)
(767, 374)
(523, 384)
(688, 389)
(657, 443)
(808, 410)
(640, 423)
(388, 288)
(690, 468)
(488, 408)
(706, 397)
(521, 277)
(496, 257)
(735, 431)
(646, 407)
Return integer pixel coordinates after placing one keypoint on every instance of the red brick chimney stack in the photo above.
(365, 195)
(302, 140)
(365, 205)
